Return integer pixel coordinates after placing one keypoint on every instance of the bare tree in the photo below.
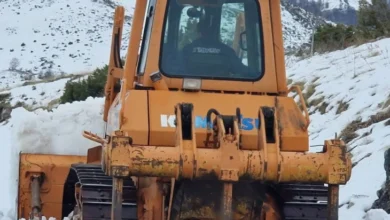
(14, 64)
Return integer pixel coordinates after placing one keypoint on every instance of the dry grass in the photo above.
(4, 96)
(311, 89)
(316, 101)
(349, 132)
(367, 141)
(343, 106)
(315, 79)
(52, 104)
(365, 156)
(373, 54)
(289, 81)
(54, 78)
(386, 103)
(323, 107)
(301, 84)
(4, 100)
(323, 68)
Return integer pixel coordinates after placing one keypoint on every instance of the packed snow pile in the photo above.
(350, 88)
(41, 131)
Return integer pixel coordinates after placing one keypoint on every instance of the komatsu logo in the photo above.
(168, 121)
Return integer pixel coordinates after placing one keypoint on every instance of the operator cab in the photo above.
(210, 41)
(218, 45)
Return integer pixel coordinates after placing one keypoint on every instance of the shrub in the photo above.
(328, 37)
(373, 19)
(373, 22)
(92, 86)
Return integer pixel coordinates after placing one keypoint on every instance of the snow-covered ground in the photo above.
(297, 32)
(340, 4)
(75, 36)
(357, 77)
(60, 35)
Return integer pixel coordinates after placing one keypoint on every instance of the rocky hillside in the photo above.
(74, 35)
(338, 11)
(298, 25)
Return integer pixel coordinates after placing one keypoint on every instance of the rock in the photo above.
(376, 214)
(383, 201)
(5, 113)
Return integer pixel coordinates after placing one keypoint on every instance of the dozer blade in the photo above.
(72, 185)
(41, 183)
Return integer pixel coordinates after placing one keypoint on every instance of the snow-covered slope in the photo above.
(344, 85)
(351, 85)
(357, 76)
(338, 11)
(334, 4)
(74, 36)
(58, 36)
(340, 4)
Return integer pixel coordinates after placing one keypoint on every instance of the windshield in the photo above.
(209, 42)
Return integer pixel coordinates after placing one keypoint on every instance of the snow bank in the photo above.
(57, 132)
(359, 77)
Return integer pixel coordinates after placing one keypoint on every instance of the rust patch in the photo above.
(114, 142)
(152, 162)
(181, 164)
(120, 171)
(203, 174)
(279, 115)
(195, 166)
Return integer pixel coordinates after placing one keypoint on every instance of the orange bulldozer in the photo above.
(199, 125)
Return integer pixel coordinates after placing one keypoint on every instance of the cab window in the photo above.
(221, 41)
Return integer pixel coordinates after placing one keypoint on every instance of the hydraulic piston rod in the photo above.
(35, 197)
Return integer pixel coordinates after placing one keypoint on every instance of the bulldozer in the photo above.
(200, 124)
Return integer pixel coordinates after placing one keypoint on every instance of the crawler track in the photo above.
(304, 201)
(297, 201)
(96, 192)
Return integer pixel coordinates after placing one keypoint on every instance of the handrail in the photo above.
(302, 100)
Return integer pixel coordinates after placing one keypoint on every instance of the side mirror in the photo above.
(243, 44)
